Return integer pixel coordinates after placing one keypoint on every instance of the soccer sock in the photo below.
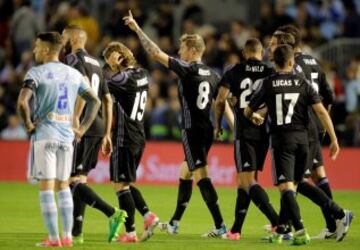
(88, 196)
(323, 184)
(79, 211)
(292, 208)
(66, 207)
(317, 196)
(284, 221)
(241, 207)
(183, 198)
(210, 197)
(50, 213)
(126, 202)
(261, 200)
(140, 203)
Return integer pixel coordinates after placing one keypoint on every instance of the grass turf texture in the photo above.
(21, 225)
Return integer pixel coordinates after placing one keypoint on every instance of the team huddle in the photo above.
(75, 108)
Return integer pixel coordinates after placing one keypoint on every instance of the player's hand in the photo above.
(78, 134)
(130, 22)
(30, 127)
(106, 147)
(257, 119)
(334, 150)
(218, 132)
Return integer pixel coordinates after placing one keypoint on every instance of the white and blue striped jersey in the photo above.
(56, 87)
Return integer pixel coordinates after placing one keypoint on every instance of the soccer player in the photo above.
(311, 68)
(251, 141)
(87, 150)
(53, 88)
(314, 193)
(129, 86)
(196, 88)
(288, 96)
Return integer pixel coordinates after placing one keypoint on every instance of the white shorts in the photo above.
(51, 159)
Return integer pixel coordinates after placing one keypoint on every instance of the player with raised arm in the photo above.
(129, 86)
(251, 142)
(53, 88)
(288, 96)
(196, 87)
(311, 68)
(87, 150)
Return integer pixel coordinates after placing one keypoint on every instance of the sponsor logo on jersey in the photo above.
(59, 118)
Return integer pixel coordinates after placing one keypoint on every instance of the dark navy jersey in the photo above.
(287, 97)
(311, 69)
(129, 89)
(90, 67)
(197, 86)
(242, 79)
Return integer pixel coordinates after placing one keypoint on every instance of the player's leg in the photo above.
(183, 199)
(256, 154)
(242, 198)
(122, 173)
(64, 156)
(45, 171)
(285, 159)
(318, 176)
(85, 160)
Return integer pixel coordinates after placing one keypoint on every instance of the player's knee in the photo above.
(207, 190)
(286, 186)
(121, 186)
(61, 185)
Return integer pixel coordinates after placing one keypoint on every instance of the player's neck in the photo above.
(76, 47)
(297, 50)
(284, 70)
(54, 58)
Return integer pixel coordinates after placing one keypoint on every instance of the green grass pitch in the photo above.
(21, 224)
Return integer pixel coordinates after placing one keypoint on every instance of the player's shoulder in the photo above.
(306, 59)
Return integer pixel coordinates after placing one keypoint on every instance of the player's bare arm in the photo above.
(93, 104)
(79, 107)
(229, 115)
(24, 109)
(106, 147)
(328, 125)
(254, 117)
(220, 109)
(150, 47)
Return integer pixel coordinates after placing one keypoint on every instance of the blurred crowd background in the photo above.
(330, 28)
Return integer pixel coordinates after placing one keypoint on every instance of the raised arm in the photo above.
(151, 48)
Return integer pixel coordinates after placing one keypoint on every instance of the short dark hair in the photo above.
(284, 38)
(283, 54)
(253, 45)
(294, 31)
(52, 38)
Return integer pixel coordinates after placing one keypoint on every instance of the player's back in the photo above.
(196, 88)
(129, 89)
(288, 97)
(310, 67)
(57, 86)
(90, 67)
(242, 80)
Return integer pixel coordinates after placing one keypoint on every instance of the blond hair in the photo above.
(193, 41)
